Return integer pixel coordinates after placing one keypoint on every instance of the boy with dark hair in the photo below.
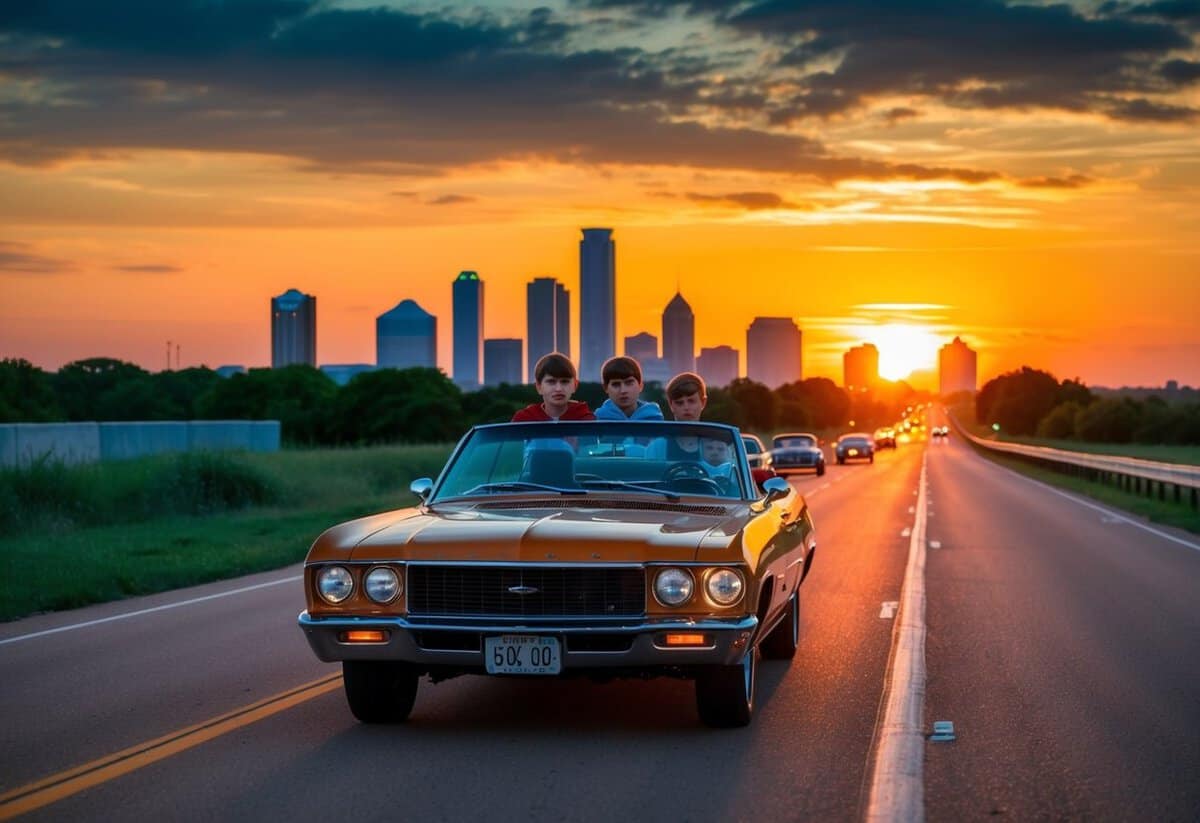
(622, 379)
(556, 380)
(687, 396)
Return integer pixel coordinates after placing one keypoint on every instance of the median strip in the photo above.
(72, 781)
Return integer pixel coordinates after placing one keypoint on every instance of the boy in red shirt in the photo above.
(555, 379)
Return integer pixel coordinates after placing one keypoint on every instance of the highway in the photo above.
(1061, 639)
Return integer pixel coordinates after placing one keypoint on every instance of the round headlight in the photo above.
(724, 586)
(673, 587)
(382, 585)
(334, 584)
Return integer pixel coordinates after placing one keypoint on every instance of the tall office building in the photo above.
(860, 367)
(679, 335)
(718, 365)
(467, 293)
(293, 329)
(502, 361)
(773, 351)
(406, 337)
(641, 347)
(597, 302)
(956, 367)
(547, 320)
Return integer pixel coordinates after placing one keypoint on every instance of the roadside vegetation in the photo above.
(75, 535)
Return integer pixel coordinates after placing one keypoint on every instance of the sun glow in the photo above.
(903, 349)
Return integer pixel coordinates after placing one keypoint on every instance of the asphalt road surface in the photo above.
(1062, 640)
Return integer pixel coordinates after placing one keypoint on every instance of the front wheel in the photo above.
(380, 691)
(820, 469)
(725, 694)
(784, 639)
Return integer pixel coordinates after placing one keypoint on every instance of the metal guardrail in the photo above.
(1129, 473)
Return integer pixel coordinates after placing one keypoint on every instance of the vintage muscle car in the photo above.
(569, 548)
(798, 451)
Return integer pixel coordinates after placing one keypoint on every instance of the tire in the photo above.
(820, 469)
(380, 691)
(841, 461)
(725, 694)
(784, 639)
(872, 460)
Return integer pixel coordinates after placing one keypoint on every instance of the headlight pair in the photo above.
(382, 584)
(675, 586)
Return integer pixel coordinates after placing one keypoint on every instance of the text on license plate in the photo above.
(522, 654)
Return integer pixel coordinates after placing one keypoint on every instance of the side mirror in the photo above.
(775, 488)
(421, 487)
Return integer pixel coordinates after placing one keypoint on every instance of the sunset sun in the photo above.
(903, 349)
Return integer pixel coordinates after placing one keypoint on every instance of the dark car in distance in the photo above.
(854, 447)
(797, 451)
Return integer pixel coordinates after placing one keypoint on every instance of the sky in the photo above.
(1023, 175)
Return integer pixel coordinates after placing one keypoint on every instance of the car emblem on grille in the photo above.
(523, 590)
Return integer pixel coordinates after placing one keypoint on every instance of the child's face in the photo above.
(556, 390)
(687, 407)
(716, 452)
(624, 392)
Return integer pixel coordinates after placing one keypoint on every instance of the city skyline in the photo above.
(1022, 175)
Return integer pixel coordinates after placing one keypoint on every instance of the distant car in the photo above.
(757, 454)
(885, 438)
(854, 447)
(797, 451)
(940, 431)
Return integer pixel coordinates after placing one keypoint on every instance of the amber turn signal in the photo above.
(363, 636)
(687, 640)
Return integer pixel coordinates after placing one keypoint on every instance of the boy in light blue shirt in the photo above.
(622, 379)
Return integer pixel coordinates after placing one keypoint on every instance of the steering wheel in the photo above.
(692, 471)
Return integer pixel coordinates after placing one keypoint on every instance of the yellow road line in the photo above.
(66, 783)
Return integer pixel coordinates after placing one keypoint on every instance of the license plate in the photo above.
(522, 654)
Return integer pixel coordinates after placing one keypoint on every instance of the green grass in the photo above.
(1186, 455)
(91, 534)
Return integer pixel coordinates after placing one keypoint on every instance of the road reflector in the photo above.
(943, 731)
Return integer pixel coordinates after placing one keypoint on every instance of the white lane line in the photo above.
(141, 612)
(888, 610)
(897, 777)
(1120, 518)
(935, 544)
(907, 532)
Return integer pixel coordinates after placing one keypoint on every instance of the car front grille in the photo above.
(526, 591)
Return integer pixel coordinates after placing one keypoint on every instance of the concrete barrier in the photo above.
(24, 443)
(124, 441)
(59, 442)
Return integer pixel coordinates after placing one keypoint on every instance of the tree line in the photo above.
(1035, 403)
(414, 405)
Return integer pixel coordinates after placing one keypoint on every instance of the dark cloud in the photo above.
(1072, 181)
(452, 200)
(749, 200)
(16, 258)
(1180, 72)
(1149, 111)
(149, 268)
(900, 113)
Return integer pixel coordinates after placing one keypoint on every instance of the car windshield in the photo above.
(752, 446)
(802, 442)
(575, 460)
(856, 440)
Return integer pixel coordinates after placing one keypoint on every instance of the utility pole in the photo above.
(176, 355)
(168, 355)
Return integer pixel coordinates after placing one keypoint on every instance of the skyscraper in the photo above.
(547, 320)
(468, 329)
(718, 365)
(406, 337)
(860, 367)
(679, 335)
(773, 351)
(597, 302)
(293, 329)
(641, 347)
(956, 367)
(502, 361)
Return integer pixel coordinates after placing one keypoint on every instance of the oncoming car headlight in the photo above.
(382, 585)
(724, 586)
(673, 587)
(334, 584)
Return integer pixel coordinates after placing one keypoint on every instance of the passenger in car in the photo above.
(622, 379)
(687, 396)
(555, 378)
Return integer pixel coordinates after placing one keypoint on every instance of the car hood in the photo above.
(542, 531)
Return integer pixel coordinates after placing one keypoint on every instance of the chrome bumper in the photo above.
(418, 641)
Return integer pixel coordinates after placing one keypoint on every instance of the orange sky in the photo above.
(1045, 233)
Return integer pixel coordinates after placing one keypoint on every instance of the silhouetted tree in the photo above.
(26, 393)
(1059, 424)
(1110, 420)
(756, 408)
(400, 405)
(81, 386)
(1017, 400)
(300, 397)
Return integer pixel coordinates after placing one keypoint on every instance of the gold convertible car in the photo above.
(603, 549)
